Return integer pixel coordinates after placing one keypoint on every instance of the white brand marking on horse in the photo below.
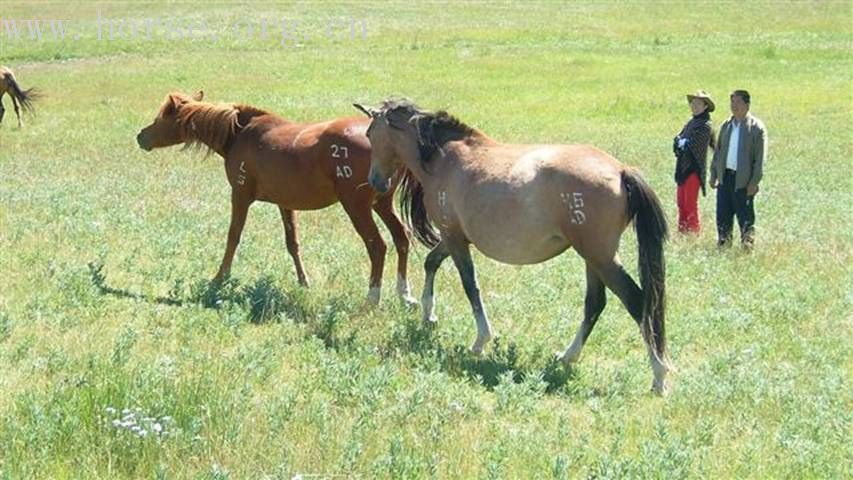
(339, 151)
(241, 178)
(344, 171)
(442, 203)
(575, 203)
(342, 152)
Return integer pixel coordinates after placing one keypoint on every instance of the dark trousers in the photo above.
(733, 202)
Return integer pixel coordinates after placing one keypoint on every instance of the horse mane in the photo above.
(213, 125)
(434, 128)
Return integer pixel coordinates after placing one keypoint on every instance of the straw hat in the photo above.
(704, 96)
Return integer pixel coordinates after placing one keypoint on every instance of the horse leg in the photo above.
(17, 110)
(288, 217)
(461, 255)
(2, 108)
(617, 279)
(360, 215)
(239, 209)
(385, 209)
(593, 306)
(433, 260)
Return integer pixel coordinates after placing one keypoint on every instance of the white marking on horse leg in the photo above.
(428, 302)
(373, 295)
(402, 286)
(484, 332)
(404, 292)
(661, 369)
(573, 352)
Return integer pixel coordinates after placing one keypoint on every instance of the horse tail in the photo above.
(414, 211)
(645, 210)
(25, 97)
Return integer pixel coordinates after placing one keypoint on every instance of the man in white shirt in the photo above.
(737, 168)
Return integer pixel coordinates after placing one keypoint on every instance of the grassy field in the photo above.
(106, 252)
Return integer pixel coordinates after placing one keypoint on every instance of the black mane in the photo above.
(434, 128)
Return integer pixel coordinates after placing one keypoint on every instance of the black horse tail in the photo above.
(414, 210)
(24, 97)
(645, 210)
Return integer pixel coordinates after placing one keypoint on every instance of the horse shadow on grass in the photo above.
(264, 301)
(99, 280)
(501, 358)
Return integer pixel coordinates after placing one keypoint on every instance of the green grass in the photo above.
(105, 253)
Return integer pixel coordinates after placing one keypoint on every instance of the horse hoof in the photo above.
(565, 358)
(660, 388)
(477, 347)
(431, 321)
(373, 296)
(409, 302)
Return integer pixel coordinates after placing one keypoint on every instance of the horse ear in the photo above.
(198, 96)
(366, 110)
(172, 103)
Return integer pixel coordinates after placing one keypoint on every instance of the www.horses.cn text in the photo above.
(284, 31)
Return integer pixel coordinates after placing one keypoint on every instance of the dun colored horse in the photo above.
(8, 84)
(297, 166)
(523, 204)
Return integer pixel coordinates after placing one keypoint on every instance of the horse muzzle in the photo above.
(141, 142)
(377, 183)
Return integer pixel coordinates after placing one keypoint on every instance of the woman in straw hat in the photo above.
(691, 149)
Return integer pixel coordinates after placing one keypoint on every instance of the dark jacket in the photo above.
(692, 156)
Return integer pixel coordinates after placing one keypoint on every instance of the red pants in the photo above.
(687, 197)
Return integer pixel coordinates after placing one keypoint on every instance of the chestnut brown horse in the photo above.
(8, 84)
(523, 204)
(297, 166)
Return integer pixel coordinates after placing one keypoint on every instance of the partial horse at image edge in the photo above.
(9, 84)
